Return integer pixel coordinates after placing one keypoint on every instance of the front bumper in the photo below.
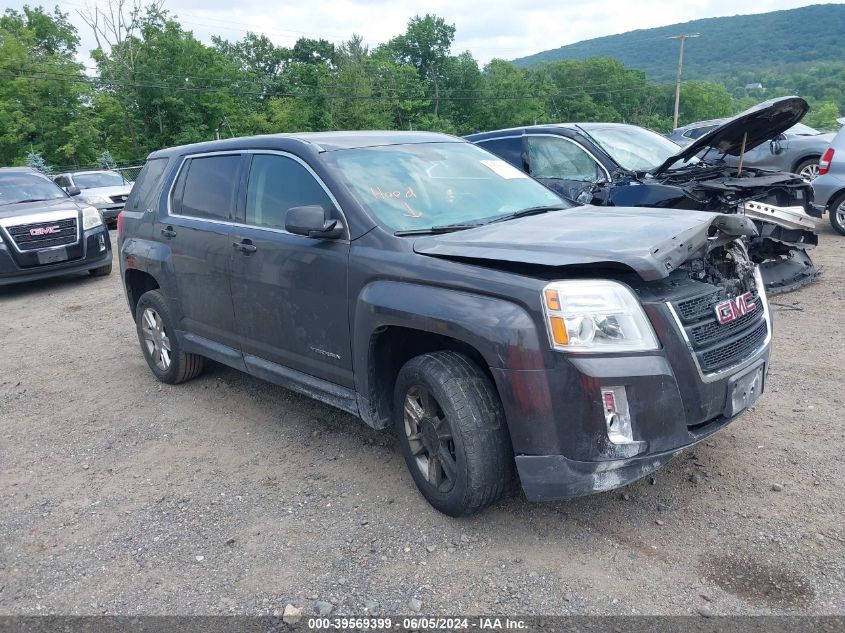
(110, 211)
(556, 417)
(95, 253)
(551, 477)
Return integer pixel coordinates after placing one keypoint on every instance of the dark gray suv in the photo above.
(44, 232)
(422, 284)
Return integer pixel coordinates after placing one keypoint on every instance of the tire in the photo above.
(102, 271)
(809, 164)
(444, 394)
(836, 209)
(151, 312)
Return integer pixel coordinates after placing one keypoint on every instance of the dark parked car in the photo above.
(829, 187)
(419, 282)
(613, 164)
(797, 149)
(44, 232)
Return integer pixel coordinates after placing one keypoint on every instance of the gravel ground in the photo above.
(226, 495)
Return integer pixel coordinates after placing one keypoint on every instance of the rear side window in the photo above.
(146, 185)
(276, 184)
(556, 157)
(207, 187)
(509, 149)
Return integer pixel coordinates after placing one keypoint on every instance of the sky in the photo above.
(490, 29)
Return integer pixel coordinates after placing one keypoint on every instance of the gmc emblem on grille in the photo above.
(45, 230)
(732, 309)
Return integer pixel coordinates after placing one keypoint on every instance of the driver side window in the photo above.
(276, 184)
(560, 158)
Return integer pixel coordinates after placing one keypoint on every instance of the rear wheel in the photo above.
(451, 428)
(156, 333)
(837, 213)
(808, 169)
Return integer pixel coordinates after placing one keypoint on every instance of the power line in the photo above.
(105, 82)
(597, 88)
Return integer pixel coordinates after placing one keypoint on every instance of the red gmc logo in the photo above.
(45, 230)
(734, 308)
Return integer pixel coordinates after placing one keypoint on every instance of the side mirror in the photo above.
(311, 221)
(73, 191)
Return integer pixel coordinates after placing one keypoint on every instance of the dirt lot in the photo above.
(229, 495)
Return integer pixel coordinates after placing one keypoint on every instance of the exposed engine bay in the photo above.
(778, 203)
(726, 265)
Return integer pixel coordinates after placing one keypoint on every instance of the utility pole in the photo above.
(682, 37)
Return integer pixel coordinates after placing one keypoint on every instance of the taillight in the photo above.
(825, 160)
(120, 225)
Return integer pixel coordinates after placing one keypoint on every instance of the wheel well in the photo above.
(137, 283)
(804, 158)
(392, 347)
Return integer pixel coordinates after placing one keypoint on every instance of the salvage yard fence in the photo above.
(129, 171)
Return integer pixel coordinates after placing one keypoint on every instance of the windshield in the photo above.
(22, 187)
(634, 148)
(419, 186)
(96, 179)
(799, 129)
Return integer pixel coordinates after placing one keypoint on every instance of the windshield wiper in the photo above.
(435, 230)
(526, 212)
(22, 201)
(460, 226)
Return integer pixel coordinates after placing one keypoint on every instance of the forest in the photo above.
(154, 84)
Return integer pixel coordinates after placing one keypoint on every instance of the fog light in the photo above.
(102, 240)
(616, 415)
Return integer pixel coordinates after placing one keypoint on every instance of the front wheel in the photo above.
(836, 209)
(157, 335)
(808, 169)
(451, 427)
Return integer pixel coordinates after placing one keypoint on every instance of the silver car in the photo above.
(104, 189)
(829, 187)
(797, 150)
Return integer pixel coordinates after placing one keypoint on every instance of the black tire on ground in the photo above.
(836, 207)
(182, 365)
(458, 402)
(102, 271)
(807, 162)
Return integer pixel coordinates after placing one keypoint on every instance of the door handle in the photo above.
(245, 246)
(168, 232)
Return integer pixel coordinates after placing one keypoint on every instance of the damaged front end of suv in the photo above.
(780, 203)
(620, 165)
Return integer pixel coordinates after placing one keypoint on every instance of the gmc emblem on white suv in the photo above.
(727, 311)
(45, 230)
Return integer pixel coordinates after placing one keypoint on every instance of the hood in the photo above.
(118, 190)
(761, 122)
(652, 242)
(25, 208)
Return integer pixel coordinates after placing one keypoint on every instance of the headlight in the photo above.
(94, 199)
(91, 218)
(596, 316)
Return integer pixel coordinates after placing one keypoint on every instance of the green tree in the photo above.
(824, 116)
(425, 45)
(42, 89)
(36, 161)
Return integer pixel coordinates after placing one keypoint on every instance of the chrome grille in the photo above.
(40, 235)
(720, 346)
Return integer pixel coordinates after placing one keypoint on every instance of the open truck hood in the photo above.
(652, 242)
(762, 122)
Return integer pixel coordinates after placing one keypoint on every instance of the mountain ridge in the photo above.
(791, 39)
